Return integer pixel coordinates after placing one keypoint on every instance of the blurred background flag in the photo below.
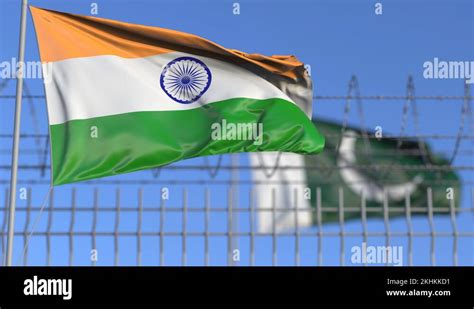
(383, 170)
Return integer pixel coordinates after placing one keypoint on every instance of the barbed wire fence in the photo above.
(206, 218)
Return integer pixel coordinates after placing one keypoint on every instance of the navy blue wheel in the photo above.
(185, 79)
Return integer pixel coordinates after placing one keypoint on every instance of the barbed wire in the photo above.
(386, 136)
(305, 167)
(172, 182)
(353, 93)
(335, 97)
(380, 153)
(394, 97)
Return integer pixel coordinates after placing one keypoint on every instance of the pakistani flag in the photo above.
(384, 170)
(124, 97)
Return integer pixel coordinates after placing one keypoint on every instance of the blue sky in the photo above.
(338, 39)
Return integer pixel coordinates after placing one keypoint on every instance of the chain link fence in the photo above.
(203, 211)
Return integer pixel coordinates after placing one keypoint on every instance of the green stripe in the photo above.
(142, 140)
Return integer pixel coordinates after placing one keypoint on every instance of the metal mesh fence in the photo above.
(61, 242)
(203, 211)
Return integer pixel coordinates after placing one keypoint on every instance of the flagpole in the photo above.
(16, 133)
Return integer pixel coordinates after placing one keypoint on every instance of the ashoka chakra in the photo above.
(185, 79)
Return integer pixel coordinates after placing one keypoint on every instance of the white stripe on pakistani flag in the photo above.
(282, 192)
(83, 88)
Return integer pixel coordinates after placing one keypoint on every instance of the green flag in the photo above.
(386, 170)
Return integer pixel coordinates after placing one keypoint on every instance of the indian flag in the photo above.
(124, 97)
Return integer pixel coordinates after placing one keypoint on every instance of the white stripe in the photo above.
(289, 179)
(83, 88)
